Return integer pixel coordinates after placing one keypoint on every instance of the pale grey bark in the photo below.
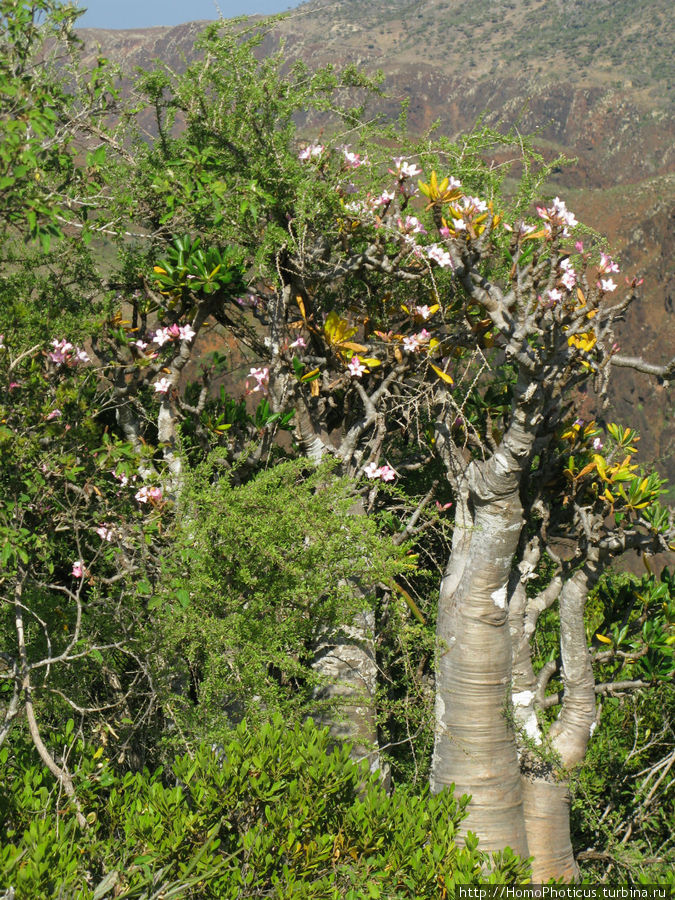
(475, 747)
(547, 819)
(346, 663)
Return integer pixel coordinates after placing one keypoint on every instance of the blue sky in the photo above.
(144, 13)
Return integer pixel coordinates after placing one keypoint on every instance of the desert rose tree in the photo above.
(410, 323)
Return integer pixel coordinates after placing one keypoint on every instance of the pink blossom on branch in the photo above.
(405, 169)
(385, 473)
(440, 256)
(607, 285)
(262, 377)
(607, 265)
(312, 151)
(78, 569)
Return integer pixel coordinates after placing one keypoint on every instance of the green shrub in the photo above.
(274, 813)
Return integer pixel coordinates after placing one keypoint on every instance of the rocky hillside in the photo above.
(593, 78)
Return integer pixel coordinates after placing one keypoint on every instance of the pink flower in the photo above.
(161, 336)
(54, 414)
(262, 377)
(300, 342)
(141, 344)
(569, 279)
(356, 367)
(384, 198)
(81, 355)
(444, 231)
(78, 569)
(162, 386)
(104, 532)
(579, 246)
(423, 336)
(423, 311)
(61, 351)
(607, 264)
(411, 343)
(311, 152)
(405, 169)
(440, 256)
(597, 444)
(554, 296)
(411, 225)
(353, 160)
(607, 285)
(386, 473)
(473, 205)
(145, 494)
(186, 332)
(441, 507)
(459, 225)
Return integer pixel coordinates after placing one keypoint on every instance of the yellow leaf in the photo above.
(159, 270)
(605, 640)
(350, 345)
(443, 375)
(371, 362)
(314, 387)
(301, 307)
(580, 295)
(309, 375)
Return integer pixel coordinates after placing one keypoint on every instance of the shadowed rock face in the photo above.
(593, 80)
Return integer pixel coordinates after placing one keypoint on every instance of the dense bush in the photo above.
(274, 813)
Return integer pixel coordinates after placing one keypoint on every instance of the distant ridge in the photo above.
(593, 78)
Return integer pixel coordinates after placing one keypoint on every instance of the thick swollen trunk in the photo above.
(547, 820)
(475, 746)
(345, 659)
(346, 663)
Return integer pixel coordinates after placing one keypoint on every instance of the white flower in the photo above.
(162, 386)
(356, 367)
(607, 284)
(186, 332)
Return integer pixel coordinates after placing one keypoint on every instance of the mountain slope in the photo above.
(592, 78)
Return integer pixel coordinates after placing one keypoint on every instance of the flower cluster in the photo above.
(558, 214)
(385, 473)
(413, 342)
(171, 333)
(436, 253)
(148, 494)
(568, 277)
(64, 353)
